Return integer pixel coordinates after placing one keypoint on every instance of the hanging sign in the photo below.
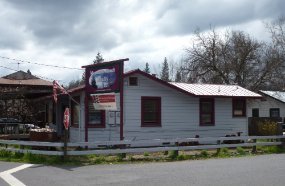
(103, 79)
(105, 101)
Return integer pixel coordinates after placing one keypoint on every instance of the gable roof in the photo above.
(278, 95)
(202, 90)
(23, 78)
(216, 90)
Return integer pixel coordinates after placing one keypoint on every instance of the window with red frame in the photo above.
(96, 118)
(239, 107)
(133, 81)
(75, 111)
(150, 111)
(207, 112)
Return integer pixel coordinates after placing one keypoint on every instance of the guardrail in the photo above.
(140, 146)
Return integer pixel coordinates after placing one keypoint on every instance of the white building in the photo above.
(155, 109)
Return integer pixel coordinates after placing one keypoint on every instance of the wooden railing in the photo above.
(140, 146)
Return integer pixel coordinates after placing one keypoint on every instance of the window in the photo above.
(239, 107)
(133, 81)
(96, 118)
(207, 112)
(255, 112)
(75, 112)
(274, 112)
(150, 111)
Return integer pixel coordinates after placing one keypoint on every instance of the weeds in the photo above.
(145, 157)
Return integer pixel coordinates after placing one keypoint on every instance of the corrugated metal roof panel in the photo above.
(275, 94)
(216, 90)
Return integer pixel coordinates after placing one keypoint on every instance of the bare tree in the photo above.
(277, 30)
(231, 58)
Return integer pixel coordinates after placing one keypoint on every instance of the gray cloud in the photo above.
(183, 17)
(144, 30)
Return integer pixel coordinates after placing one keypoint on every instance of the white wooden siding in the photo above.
(265, 105)
(110, 133)
(179, 114)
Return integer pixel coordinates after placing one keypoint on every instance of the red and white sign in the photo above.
(66, 118)
(104, 101)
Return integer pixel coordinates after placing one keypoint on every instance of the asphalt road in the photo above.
(267, 170)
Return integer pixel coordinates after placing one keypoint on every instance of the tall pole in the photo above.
(122, 103)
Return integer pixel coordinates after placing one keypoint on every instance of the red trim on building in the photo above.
(122, 103)
(130, 73)
(73, 104)
(157, 122)
(86, 116)
(234, 105)
(102, 122)
(212, 113)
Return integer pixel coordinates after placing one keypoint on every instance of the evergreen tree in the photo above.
(98, 59)
(165, 71)
(178, 77)
(147, 69)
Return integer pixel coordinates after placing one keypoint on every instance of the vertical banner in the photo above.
(105, 101)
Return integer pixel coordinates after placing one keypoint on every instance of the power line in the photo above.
(55, 66)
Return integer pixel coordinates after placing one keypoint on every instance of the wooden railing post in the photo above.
(218, 149)
(254, 149)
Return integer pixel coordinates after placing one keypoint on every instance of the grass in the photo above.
(136, 158)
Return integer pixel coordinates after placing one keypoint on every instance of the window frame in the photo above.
(234, 107)
(272, 109)
(131, 83)
(103, 116)
(73, 104)
(212, 101)
(157, 122)
(252, 112)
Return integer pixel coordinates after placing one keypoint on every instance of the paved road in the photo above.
(267, 170)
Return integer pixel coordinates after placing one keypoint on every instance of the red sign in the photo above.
(66, 118)
(105, 101)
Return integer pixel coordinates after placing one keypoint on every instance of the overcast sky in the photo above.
(71, 32)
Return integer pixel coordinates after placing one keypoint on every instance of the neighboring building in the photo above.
(155, 109)
(19, 92)
(271, 105)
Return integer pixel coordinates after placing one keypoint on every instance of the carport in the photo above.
(20, 94)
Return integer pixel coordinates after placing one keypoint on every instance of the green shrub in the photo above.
(146, 154)
(224, 152)
(173, 154)
(181, 157)
(240, 151)
(4, 153)
(204, 154)
(18, 155)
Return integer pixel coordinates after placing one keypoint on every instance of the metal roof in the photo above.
(216, 90)
(275, 94)
(38, 82)
(23, 78)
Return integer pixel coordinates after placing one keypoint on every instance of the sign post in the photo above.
(102, 82)
(66, 118)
